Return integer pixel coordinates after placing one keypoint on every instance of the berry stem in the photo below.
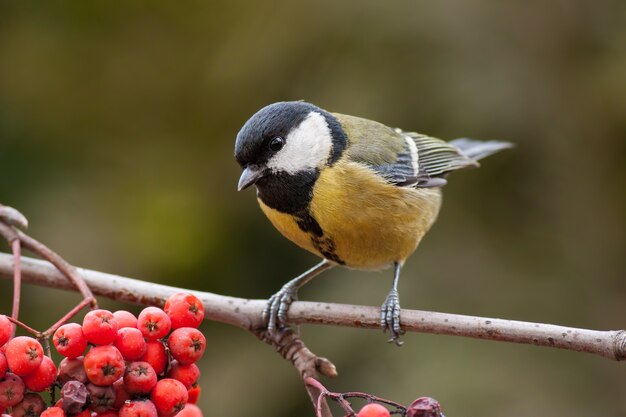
(340, 398)
(61, 264)
(17, 279)
(10, 234)
(66, 317)
(29, 329)
(372, 398)
(318, 393)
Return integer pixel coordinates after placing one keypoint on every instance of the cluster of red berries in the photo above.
(135, 366)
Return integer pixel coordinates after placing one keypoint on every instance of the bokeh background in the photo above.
(117, 125)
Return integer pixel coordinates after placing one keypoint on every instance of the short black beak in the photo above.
(249, 176)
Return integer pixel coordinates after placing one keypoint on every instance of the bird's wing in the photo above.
(436, 158)
(403, 158)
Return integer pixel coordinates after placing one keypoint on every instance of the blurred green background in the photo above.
(117, 125)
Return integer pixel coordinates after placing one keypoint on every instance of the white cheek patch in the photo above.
(307, 146)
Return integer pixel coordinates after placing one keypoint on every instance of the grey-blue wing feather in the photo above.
(437, 158)
(401, 172)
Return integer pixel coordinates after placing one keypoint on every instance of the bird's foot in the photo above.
(390, 317)
(275, 312)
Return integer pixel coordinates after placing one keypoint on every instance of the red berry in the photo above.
(32, 405)
(138, 409)
(130, 343)
(11, 390)
(194, 394)
(70, 340)
(125, 319)
(72, 369)
(121, 395)
(42, 377)
(53, 412)
(373, 410)
(24, 355)
(169, 397)
(3, 365)
(108, 413)
(153, 323)
(186, 345)
(84, 413)
(187, 374)
(100, 327)
(6, 329)
(100, 398)
(190, 410)
(139, 378)
(104, 365)
(155, 355)
(184, 310)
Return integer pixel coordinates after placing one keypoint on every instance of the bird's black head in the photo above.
(287, 138)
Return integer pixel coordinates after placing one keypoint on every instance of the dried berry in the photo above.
(424, 407)
(74, 395)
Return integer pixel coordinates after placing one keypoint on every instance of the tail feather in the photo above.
(476, 149)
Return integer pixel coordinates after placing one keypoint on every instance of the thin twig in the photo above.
(10, 234)
(62, 265)
(247, 314)
(85, 302)
(340, 398)
(16, 246)
(26, 327)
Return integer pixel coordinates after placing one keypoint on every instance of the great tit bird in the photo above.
(350, 190)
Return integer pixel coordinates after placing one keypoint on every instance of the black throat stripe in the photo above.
(324, 244)
(292, 194)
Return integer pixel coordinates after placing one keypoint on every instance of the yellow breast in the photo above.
(369, 223)
(287, 225)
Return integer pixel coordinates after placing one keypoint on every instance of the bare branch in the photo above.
(247, 314)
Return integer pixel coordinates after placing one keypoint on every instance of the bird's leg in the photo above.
(275, 311)
(390, 310)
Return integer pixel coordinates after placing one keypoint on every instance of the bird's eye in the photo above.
(276, 144)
